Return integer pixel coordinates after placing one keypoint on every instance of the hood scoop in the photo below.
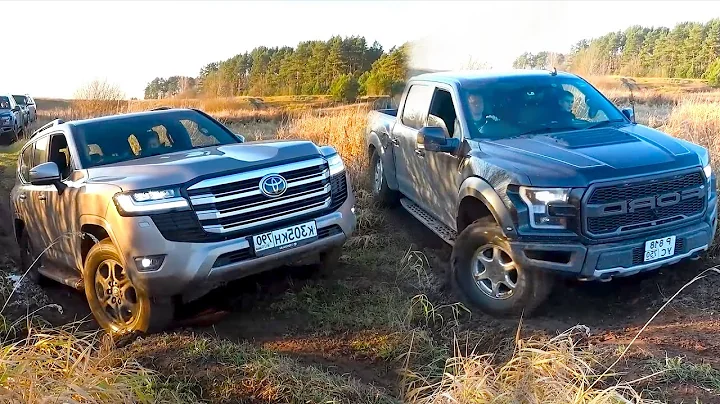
(588, 138)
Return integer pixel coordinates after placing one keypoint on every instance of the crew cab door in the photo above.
(409, 168)
(442, 168)
(61, 204)
(26, 202)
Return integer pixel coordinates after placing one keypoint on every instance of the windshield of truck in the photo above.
(4, 102)
(517, 106)
(19, 99)
(116, 140)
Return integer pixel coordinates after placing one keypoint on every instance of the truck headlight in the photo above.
(336, 164)
(708, 171)
(537, 201)
(149, 201)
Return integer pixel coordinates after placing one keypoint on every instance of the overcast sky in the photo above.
(52, 48)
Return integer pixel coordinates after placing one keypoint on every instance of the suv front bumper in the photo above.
(625, 258)
(193, 269)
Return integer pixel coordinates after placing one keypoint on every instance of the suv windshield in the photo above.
(4, 102)
(19, 99)
(518, 106)
(120, 139)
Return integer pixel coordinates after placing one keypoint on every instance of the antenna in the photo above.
(630, 86)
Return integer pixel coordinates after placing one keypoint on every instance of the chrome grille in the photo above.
(235, 203)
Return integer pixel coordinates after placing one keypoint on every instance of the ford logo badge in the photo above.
(273, 185)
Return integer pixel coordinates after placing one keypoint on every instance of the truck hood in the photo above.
(577, 158)
(182, 167)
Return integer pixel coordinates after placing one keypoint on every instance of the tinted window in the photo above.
(26, 163)
(41, 151)
(442, 112)
(417, 105)
(524, 105)
(20, 99)
(120, 139)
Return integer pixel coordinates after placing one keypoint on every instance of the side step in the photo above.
(64, 276)
(442, 231)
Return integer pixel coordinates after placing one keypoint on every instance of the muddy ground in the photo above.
(279, 311)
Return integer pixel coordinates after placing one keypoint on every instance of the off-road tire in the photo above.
(27, 257)
(532, 286)
(382, 194)
(153, 315)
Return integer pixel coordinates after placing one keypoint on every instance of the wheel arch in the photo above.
(375, 144)
(479, 199)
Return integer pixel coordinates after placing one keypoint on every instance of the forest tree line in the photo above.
(344, 67)
(689, 50)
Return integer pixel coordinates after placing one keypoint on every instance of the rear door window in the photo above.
(417, 104)
(41, 150)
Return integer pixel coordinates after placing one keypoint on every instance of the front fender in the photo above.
(480, 189)
(381, 143)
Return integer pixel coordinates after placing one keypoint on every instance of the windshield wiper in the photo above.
(603, 123)
(547, 129)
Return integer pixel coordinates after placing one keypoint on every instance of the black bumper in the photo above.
(605, 261)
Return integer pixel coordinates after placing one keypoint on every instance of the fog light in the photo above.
(149, 263)
(352, 210)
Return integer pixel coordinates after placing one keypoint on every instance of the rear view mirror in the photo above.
(45, 174)
(629, 114)
(434, 139)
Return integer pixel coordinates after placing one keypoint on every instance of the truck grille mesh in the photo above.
(643, 218)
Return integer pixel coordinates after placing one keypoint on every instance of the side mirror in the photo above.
(628, 112)
(45, 174)
(434, 139)
(15, 109)
(240, 137)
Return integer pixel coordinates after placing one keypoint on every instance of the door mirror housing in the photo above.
(435, 139)
(45, 174)
(15, 109)
(240, 137)
(629, 114)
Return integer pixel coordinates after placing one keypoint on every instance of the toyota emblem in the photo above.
(273, 185)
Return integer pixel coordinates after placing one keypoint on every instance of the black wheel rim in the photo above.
(115, 292)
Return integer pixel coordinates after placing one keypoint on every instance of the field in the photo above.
(383, 327)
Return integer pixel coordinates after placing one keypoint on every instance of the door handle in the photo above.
(42, 197)
(395, 141)
(22, 197)
(420, 153)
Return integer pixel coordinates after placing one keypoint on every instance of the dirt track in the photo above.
(613, 311)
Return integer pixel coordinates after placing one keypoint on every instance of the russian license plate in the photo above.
(282, 239)
(659, 248)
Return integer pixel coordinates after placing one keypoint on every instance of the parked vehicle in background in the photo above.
(22, 103)
(531, 175)
(10, 119)
(32, 108)
(172, 204)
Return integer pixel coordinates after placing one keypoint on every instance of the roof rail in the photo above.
(161, 108)
(56, 121)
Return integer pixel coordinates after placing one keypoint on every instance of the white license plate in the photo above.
(659, 248)
(281, 239)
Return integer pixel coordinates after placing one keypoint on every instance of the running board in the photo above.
(447, 234)
(64, 276)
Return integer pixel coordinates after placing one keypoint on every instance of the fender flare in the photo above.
(96, 221)
(480, 189)
(376, 141)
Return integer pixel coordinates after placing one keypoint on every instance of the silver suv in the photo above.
(146, 210)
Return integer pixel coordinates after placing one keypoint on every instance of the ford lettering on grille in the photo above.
(648, 202)
(629, 207)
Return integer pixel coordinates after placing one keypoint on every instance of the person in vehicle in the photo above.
(478, 117)
(566, 101)
(4, 103)
(151, 144)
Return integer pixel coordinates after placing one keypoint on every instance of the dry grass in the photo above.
(66, 366)
(554, 371)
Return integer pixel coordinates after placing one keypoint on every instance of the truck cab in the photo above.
(531, 175)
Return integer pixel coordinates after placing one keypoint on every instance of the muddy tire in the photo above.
(117, 305)
(383, 195)
(487, 276)
(28, 255)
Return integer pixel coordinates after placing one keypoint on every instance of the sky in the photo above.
(64, 44)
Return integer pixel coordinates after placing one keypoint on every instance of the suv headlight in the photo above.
(149, 201)
(336, 164)
(537, 200)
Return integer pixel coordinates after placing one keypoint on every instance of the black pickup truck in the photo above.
(534, 174)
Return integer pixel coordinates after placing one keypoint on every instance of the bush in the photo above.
(345, 88)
